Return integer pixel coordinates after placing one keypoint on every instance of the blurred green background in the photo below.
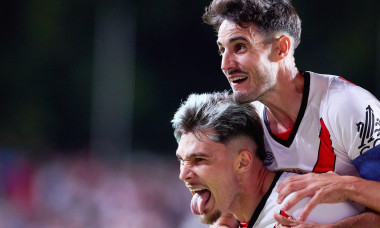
(84, 76)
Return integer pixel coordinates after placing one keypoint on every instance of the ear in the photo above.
(283, 47)
(243, 161)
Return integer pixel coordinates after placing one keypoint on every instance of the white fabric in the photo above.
(351, 116)
(317, 215)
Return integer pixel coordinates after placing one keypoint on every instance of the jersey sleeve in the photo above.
(368, 163)
(354, 118)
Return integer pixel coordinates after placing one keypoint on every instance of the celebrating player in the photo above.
(221, 152)
(313, 122)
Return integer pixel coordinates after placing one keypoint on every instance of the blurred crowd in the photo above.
(91, 193)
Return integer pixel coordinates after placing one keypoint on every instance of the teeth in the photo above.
(196, 189)
(237, 78)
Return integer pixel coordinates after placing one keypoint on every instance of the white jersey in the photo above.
(338, 124)
(263, 215)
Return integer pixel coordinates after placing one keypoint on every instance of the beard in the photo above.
(264, 86)
(211, 218)
(243, 98)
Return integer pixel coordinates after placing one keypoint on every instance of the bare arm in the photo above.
(366, 219)
(364, 191)
(329, 188)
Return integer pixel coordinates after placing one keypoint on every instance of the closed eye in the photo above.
(199, 160)
(194, 158)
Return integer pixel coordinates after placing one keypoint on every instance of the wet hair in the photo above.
(220, 118)
(270, 16)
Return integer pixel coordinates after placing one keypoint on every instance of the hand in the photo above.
(289, 222)
(323, 188)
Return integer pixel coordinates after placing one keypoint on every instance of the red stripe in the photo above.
(283, 213)
(347, 81)
(326, 156)
(244, 224)
(284, 135)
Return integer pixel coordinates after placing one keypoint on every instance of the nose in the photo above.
(228, 61)
(186, 172)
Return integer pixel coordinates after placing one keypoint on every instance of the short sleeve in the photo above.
(354, 118)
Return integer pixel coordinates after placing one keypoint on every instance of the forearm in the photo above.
(367, 219)
(364, 192)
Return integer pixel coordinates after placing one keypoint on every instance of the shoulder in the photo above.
(348, 111)
(343, 99)
(259, 107)
(257, 104)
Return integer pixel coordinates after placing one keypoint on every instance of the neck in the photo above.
(284, 102)
(253, 193)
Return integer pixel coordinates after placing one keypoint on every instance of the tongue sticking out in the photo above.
(199, 201)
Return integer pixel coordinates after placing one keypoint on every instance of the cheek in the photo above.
(252, 63)
(249, 61)
(226, 176)
(224, 189)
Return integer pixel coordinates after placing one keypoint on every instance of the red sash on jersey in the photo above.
(326, 156)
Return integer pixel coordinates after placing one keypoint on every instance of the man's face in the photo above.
(206, 167)
(246, 61)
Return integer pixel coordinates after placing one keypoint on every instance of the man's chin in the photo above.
(211, 218)
(242, 98)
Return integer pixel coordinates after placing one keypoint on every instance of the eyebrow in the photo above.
(193, 155)
(233, 39)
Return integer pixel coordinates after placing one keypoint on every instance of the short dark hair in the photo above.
(269, 16)
(219, 113)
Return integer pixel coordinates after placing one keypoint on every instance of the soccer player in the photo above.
(312, 122)
(221, 152)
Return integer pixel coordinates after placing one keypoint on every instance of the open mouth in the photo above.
(199, 200)
(238, 79)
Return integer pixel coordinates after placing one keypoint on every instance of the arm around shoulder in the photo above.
(364, 192)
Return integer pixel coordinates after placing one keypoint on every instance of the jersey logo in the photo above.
(368, 130)
(326, 156)
(269, 158)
